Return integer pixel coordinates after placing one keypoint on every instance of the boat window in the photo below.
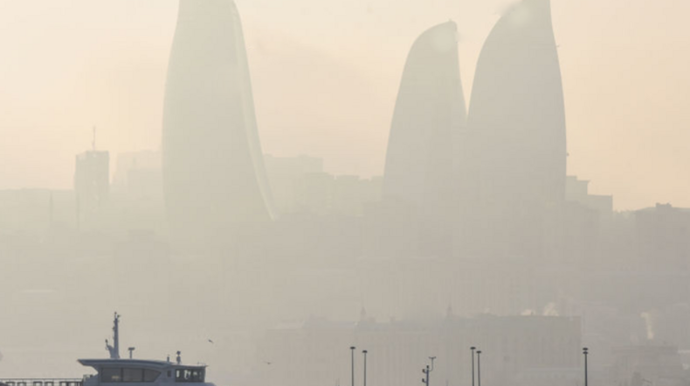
(132, 375)
(182, 375)
(151, 375)
(197, 375)
(189, 375)
(127, 375)
(109, 374)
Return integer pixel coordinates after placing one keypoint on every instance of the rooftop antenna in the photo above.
(116, 337)
(93, 141)
(131, 350)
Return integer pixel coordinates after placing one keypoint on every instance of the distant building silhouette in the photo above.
(92, 179)
(423, 146)
(213, 169)
(285, 175)
(578, 191)
(517, 123)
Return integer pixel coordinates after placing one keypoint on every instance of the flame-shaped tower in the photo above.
(517, 110)
(423, 149)
(517, 117)
(214, 177)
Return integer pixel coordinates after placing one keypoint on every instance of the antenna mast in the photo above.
(116, 335)
(93, 141)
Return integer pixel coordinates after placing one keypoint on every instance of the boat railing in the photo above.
(41, 382)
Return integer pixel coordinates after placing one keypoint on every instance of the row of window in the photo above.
(44, 383)
(189, 375)
(116, 374)
(127, 375)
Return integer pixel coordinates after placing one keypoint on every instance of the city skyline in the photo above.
(258, 233)
(641, 174)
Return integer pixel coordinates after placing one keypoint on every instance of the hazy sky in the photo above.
(326, 74)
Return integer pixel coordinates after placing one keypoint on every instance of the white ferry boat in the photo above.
(115, 371)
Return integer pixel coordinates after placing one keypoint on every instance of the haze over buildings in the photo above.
(269, 266)
(123, 46)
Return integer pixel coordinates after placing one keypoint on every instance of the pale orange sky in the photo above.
(325, 76)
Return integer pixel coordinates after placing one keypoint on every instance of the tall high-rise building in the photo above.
(92, 179)
(423, 149)
(517, 121)
(213, 170)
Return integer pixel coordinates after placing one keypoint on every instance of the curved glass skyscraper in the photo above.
(214, 177)
(517, 120)
(517, 111)
(423, 149)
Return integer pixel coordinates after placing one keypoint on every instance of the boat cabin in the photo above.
(133, 371)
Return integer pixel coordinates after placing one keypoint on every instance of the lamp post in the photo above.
(473, 348)
(585, 352)
(479, 368)
(365, 366)
(427, 371)
(352, 352)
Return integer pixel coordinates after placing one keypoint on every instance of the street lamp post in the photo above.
(365, 366)
(473, 348)
(352, 352)
(427, 371)
(479, 368)
(585, 352)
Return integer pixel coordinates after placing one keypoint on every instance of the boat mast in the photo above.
(116, 337)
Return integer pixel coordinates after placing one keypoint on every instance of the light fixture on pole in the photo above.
(365, 366)
(473, 348)
(352, 352)
(479, 368)
(427, 371)
(585, 352)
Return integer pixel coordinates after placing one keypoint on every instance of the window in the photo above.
(129, 375)
(110, 374)
(197, 375)
(151, 375)
(189, 375)
(132, 375)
